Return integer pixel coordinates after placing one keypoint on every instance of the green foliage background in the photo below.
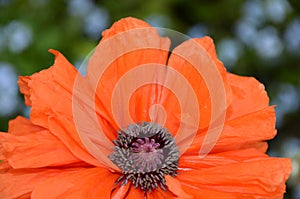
(53, 25)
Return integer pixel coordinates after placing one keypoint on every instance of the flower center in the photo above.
(145, 153)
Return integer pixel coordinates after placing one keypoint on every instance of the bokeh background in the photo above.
(259, 38)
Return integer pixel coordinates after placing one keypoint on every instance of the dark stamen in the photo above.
(145, 153)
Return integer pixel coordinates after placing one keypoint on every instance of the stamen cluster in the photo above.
(145, 153)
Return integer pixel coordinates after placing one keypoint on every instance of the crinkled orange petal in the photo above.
(86, 127)
(195, 61)
(126, 48)
(102, 96)
(122, 87)
(51, 96)
(161, 194)
(22, 126)
(218, 159)
(33, 151)
(51, 90)
(123, 25)
(124, 192)
(249, 128)
(24, 89)
(242, 131)
(121, 65)
(64, 130)
(261, 177)
(4, 166)
(90, 183)
(175, 186)
(205, 193)
(208, 43)
(260, 146)
(121, 191)
(201, 51)
(19, 183)
(29, 146)
(248, 95)
(213, 194)
(135, 193)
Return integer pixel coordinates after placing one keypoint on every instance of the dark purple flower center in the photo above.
(145, 153)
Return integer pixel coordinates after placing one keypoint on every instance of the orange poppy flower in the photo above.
(142, 123)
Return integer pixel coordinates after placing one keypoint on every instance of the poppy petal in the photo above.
(161, 194)
(90, 183)
(134, 193)
(24, 89)
(19, 183)
(218, 159)
(22, 126)
(121, 191)
(248, 95)
(195, 61)
(241, 132)
(175, 186)
(125, 62)
(123, 25)
(208, 44)
(64, 130)
(50, 90)
(249, 128)
(35, 150)
(136, 56)
(261, 177)
(29, 146)
(45, 87)
(198, 193)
